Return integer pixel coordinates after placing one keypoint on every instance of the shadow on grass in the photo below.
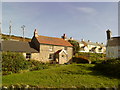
(107, 70)
(77, 69)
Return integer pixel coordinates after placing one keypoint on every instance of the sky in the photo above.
(80, 20)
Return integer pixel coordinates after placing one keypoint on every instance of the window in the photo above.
(63, 56)
(51, 56)
(65, 48)
(82, 49)
(28, 55)
(51, 48)
(100, 49)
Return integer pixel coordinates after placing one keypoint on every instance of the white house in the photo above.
(91, 47)
(113, 46)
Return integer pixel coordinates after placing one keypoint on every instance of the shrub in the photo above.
(13, 62)
(34, 63)
(37, 65)
(75, 44)
(81, 59)
(109, 68)
(93, 57)
(112, 61)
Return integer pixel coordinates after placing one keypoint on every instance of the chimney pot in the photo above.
(71, 38)
(89, 41)
(109, 34)
(64, 36)
(36, 33)
(82, 39)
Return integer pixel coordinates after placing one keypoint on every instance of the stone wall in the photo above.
(46, 50)
(113, 52)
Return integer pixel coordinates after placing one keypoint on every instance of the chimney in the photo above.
(97, 42)
(64, 36)
(82, 39)
(89, 41)
(35, 33)
(71, 38)
(109, 34)
(102, 43)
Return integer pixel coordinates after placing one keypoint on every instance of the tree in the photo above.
(75, 44)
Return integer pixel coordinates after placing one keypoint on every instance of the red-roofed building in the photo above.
(48, 48)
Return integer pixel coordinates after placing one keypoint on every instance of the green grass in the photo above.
(64, 76)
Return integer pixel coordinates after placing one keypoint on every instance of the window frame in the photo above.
(51, 56)
(28, 55)
(51, 48)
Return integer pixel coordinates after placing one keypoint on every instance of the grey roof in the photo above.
(90, 43)
(18, 46)
(114, 41)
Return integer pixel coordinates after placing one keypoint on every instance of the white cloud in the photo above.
(86, 10)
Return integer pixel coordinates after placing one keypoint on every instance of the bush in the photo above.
(93, 57)
(81, 59)
(75, 44)
(34, 63)
(37, 65)
(13, 62)
(109, 68)
(112, 61)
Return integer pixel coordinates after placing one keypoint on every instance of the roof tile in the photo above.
(53, 41)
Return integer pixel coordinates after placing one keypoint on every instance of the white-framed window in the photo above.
(28, 55)
(100, 50)
(51, 48)
(63, 56)
(65, 48)
(51, 56)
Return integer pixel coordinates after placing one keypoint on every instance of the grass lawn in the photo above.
(63, 76)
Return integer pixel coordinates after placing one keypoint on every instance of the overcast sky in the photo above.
(80, 20)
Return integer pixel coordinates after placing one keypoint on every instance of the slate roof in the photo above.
(114, 41)
(90, 43)
(18, 46)
(52, 41)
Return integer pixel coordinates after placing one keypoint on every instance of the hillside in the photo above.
(6, 37)
(62, 76)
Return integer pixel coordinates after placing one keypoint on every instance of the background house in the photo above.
(91, 47)
(19, 46)
(113, 46)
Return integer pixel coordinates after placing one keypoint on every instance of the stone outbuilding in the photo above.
(113, 46)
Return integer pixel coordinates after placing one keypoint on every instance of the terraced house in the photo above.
(91, 47)
(42, 48)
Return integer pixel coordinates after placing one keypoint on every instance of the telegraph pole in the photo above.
(0, 32)
(23, 28)
(0, 28)
(10, 29)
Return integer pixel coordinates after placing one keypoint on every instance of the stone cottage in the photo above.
(42, 48)
(113, 46)
(51, 49)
